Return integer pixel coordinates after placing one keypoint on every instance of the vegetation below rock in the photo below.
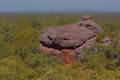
(20, 58)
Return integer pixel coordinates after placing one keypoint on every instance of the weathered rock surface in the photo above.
(66, 42)
(68, 36)
(88, 23)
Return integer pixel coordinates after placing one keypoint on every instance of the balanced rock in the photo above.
(66, 41)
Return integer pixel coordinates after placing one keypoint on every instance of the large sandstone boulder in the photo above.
(66, 41)
(68, 36)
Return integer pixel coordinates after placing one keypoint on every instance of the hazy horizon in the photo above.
(60, 6)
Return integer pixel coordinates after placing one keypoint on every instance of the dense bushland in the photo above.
(20, 58)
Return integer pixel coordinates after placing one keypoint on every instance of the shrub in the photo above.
(12, 68)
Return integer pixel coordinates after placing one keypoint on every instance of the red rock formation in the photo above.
(66, 56)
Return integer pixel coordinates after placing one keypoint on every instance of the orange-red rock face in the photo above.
(67, 56)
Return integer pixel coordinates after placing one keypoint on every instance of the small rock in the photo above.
(106, 41)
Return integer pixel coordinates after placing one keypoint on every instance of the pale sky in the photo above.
(56, 5)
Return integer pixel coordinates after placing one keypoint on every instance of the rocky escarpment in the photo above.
(66, 42)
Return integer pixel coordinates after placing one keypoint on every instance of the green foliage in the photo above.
(13, 68)
(99, 56)
(20, 58)
(40, 60)
(96, 61)
(100, 36)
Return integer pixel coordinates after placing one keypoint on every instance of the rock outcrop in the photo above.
(66, 42)
(90, 24)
